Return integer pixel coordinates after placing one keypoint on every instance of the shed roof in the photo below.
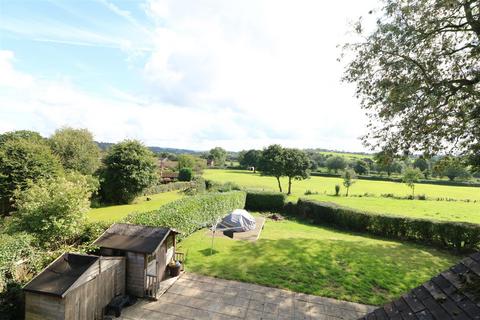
(61, 274)
(131, 237)
(452, 294)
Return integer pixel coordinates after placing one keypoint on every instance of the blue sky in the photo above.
(181, 73)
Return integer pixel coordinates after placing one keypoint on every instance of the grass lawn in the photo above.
(440, 210)
(115, 213)
(317, 260)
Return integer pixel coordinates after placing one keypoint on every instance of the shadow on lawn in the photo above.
(366, 272)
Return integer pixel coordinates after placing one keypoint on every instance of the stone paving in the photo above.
(199, 297)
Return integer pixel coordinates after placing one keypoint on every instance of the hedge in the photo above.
(172, 186)
(265, 200)
(191, 213)
(460, 236)
(391, 179)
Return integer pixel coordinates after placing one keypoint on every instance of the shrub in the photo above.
(185, 174)
(337, 190)
(22, 160)
(129, 169)
(452, 235)
(172, 186)
(53, 209)
(213, 186)
(191, 213)
(265, 200)
(14, 249)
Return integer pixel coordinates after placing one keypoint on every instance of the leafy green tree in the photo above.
(387, 162)
(272, 163)
(360, 167)
(296, 166)
(185, 174)
(250, 158)
(185, 161)
(349, 177)
(76, 149)
(417, 75)
(410, 177)
(452, 168)
(218, 155)
(336, 163)
(190, 161)
(23, 158)
(423, 165)
(128, 169)
(22, 134)
(53, 209)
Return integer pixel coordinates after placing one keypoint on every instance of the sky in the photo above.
(192, 74)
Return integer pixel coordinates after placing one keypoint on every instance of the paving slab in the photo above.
(194, 296)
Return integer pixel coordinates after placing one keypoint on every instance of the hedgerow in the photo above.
(191, 213)
(265, 200)
(172, 186)
(460, 236)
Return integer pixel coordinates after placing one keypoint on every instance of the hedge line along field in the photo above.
(432, 209)
(115, 213)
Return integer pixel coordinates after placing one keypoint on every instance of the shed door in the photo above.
(162, 261)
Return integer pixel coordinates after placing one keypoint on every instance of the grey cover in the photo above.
(238, 220)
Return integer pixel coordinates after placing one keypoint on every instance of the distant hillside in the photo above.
(106, 145)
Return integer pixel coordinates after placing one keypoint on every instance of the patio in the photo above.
(194, 296)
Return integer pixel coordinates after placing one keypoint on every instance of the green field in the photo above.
(440, 210)
(347, 155)
(115, 213)
(317, 260)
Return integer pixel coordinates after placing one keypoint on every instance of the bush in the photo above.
(185, 174)
(337, 190)
(191, 213)
(22, 160)
(13, 249)
(172, 186)
(129, 169)
(213, 186)
(451, 235)
(53, 209)
(265, 200)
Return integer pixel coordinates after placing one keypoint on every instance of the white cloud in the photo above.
(237, 74)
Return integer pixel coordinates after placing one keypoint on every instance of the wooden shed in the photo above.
(75, 286)
(148, 251)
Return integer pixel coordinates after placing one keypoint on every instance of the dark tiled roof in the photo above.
(59, 276)
(130, 237)
(452, 294)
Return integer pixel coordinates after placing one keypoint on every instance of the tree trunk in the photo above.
(279, 184)
(289, 185)
(413, 193)
(347, 190)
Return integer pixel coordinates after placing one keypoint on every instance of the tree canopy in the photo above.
(272, 162)
(218, 155)
(296, 165)
(250, 158)
(128, 169)
(418, 76)
(23, 158)
(76, 149)
(336, 163)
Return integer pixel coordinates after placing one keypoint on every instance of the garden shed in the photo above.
(148, 251)
(75, 286)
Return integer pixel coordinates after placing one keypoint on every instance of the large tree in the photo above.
(128, 169)
(296, 165)
(272, 163)
(417, 75)
(24, 157)
(218, 155)
(250, 158)
(336, 163)
(76, 149)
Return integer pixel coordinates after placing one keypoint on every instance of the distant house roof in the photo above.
(452, 294)
(61, 274)
(131, 237)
